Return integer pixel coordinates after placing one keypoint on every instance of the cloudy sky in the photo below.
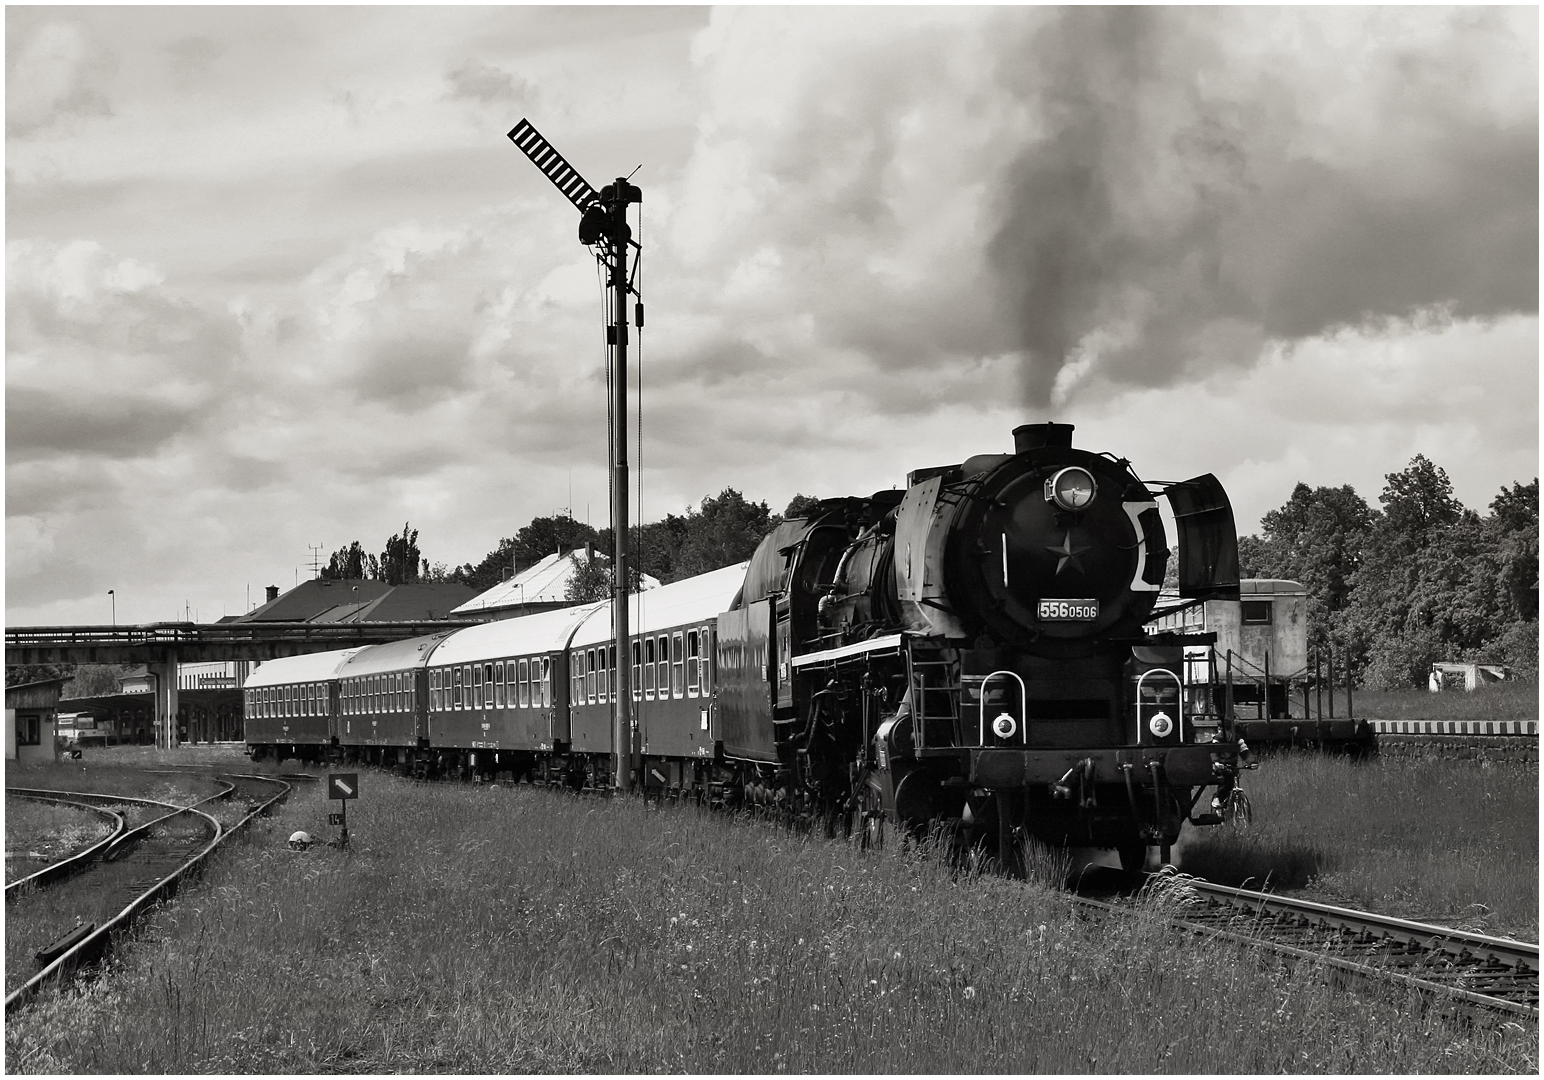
(275, 277)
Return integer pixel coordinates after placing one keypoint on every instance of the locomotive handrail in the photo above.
(1023, 706)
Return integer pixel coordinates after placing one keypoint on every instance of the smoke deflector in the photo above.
(1208, 540)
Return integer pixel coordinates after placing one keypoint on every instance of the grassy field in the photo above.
(1441, 840)
(37, 834)
(1497, 701)
(482, 929)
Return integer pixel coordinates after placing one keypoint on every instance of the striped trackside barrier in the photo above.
(1456, 727)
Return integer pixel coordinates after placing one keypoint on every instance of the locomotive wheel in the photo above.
(1133, 857)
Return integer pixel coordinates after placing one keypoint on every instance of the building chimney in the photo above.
(273, 592)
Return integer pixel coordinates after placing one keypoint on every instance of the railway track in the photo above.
(132, 870)
(1483, 972)
(75, 861)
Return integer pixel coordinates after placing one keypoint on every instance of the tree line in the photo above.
(723, 529)
(1420, 579)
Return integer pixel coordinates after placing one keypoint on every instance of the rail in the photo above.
(98, 940)
(71, 863)
(1496, 973)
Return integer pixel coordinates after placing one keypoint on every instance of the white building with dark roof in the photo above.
(537, 588)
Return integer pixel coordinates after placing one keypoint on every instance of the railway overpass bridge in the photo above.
(163, 646)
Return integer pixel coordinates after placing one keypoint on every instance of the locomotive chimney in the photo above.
(1037, 436)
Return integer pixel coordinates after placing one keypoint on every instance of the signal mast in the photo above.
(603, 228)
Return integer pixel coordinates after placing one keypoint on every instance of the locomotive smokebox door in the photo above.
(1153, 681)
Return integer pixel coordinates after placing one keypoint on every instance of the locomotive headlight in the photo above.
(1072, 488)
(1160, 725)
(1004, 726)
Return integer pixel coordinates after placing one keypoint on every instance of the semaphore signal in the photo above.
(603, 227)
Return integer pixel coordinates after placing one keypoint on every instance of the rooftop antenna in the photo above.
(316, 559)
(603, 228)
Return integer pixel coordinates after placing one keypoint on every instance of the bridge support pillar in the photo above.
(166, 700)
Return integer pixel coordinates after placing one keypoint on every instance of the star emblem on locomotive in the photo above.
(1068, 553)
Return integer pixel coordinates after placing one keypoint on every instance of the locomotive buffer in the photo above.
(603, 228)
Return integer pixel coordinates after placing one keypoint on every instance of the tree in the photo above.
(590, 580)
(20, 674)
(725, 531)
(800, 506)
(95, 680)
(399, 563)
(1316, 538)
(1514, 526)
(592, 577)
(1434, 582)
(351, 563)
(1419, 500)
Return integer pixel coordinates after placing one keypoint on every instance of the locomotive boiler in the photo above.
(970, 653)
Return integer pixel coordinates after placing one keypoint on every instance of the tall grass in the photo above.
(1434, 839)
(514, 930)
(1494, 701)
(48, 831)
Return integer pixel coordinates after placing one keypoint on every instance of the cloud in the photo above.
(484, 82)
(56, 71)
(77, 422)
(1186, 202)
(1116, 197)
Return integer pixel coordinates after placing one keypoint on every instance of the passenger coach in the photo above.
(531, 696)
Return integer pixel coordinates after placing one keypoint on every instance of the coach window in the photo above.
(1255, 612)
(524, 684)
(662, 679)
(501, 695)
(589, 676)
(637, 671)
(691, 663)
(576, 678)
(488, 686)
(648, 669)
(677, 667)
(611, 673)
(546, 681)
(707, 663)
(455, 689)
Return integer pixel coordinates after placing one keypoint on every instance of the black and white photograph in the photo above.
(772, 539)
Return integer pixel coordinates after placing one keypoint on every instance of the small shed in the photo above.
(1445, 676)
(30, 712)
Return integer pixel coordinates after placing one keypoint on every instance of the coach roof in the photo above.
(393, 656)
(311, 667)
(694, 599)
(545, 632)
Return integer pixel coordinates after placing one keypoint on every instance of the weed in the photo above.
(488, 929)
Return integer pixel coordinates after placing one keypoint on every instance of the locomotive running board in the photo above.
(889, 643)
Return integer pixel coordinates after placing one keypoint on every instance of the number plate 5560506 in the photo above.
(1062, 610)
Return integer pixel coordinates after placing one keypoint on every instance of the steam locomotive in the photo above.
(968, 653)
